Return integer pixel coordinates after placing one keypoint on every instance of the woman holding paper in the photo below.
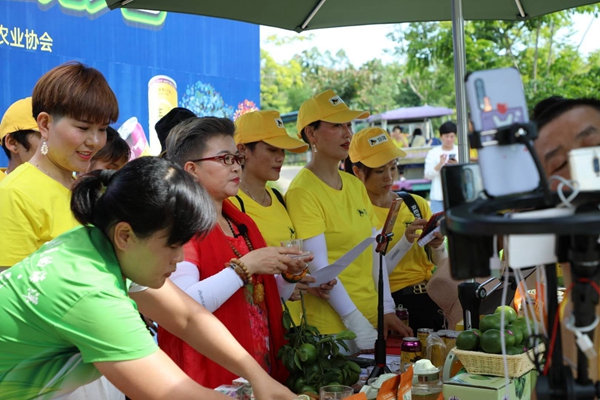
(373, 156)
(331, 211)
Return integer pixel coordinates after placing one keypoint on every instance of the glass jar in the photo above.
(427, 386)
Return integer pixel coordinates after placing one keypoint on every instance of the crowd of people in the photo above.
(192, 240)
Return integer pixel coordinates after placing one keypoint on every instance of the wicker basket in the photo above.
(476, 362)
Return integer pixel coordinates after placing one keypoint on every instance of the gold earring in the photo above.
(44, 148)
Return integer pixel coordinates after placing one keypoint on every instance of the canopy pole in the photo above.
(521, 10)
(458, 38)
(310, 16)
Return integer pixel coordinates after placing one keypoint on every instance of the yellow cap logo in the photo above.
(336, 100)
(374, 141)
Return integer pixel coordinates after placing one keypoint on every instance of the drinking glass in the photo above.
(293, 243)
(335, 392)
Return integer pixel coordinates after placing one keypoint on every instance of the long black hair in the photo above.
(149, 193)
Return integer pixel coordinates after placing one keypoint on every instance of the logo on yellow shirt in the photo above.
(362, 212)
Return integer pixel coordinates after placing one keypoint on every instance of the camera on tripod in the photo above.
(507, 195)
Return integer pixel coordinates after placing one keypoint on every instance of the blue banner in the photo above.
(152, 60)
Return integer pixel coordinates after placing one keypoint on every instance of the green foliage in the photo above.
(314, 359)
(423, 70)
(548, 63)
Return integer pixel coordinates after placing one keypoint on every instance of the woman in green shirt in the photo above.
(67, 316)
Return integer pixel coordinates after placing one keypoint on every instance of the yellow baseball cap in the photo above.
(18, 117)
(328, 107)
(266, 126)
(374, 148)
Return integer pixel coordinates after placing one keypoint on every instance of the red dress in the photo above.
(257, 327)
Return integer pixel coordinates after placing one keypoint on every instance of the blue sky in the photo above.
(363, 43)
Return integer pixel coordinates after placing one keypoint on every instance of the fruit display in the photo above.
(314, 359)
(488, 338)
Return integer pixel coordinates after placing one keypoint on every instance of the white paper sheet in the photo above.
(331, 271)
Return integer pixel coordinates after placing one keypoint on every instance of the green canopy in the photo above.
(292, 14)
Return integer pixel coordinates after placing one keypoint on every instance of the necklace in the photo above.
(38, 166)
(264, 200)
(259, 288)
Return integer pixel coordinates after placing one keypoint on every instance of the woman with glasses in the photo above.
(230, 271)
(373, 157)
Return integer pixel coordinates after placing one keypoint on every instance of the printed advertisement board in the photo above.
(153, 60)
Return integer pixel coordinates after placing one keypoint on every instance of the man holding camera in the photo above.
(438, 157)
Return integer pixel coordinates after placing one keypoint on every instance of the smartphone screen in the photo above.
(496, 98)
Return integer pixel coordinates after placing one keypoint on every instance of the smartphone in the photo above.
(390, 221)
(496, 99)
(469, 255)
(452, 156)
(432, 226)
(461, 183)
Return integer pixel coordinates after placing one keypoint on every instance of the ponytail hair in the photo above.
(150, 194)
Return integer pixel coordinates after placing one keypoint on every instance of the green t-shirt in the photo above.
(63, 308)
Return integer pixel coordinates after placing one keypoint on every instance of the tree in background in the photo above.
(423, 71)
(548, 64)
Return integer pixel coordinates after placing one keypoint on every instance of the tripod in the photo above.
(380, 367)
(584, 255)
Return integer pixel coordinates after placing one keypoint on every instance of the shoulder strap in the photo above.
(411, 204)
(239, 199)
(279, 196)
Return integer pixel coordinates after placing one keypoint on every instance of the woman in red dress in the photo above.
(230, 271)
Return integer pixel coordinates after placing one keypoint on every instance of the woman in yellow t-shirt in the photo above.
(72, 105)
(373, 157)
(331, 211)
(262, 138)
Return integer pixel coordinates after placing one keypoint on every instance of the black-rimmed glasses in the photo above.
(227, 159)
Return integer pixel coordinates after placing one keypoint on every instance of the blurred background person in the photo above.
(114, 155)
(418, 140)
(436, 158)
(168, 122)
(19, 135)
(399, 138)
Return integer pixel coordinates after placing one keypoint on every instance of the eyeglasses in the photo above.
(227, 159)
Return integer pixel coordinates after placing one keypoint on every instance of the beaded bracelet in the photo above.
(241, 269)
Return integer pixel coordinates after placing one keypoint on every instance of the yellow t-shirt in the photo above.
(34, 209)
(275, 225)
(415, 266)
(2, 174)
(345, 217)
(273, 221)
